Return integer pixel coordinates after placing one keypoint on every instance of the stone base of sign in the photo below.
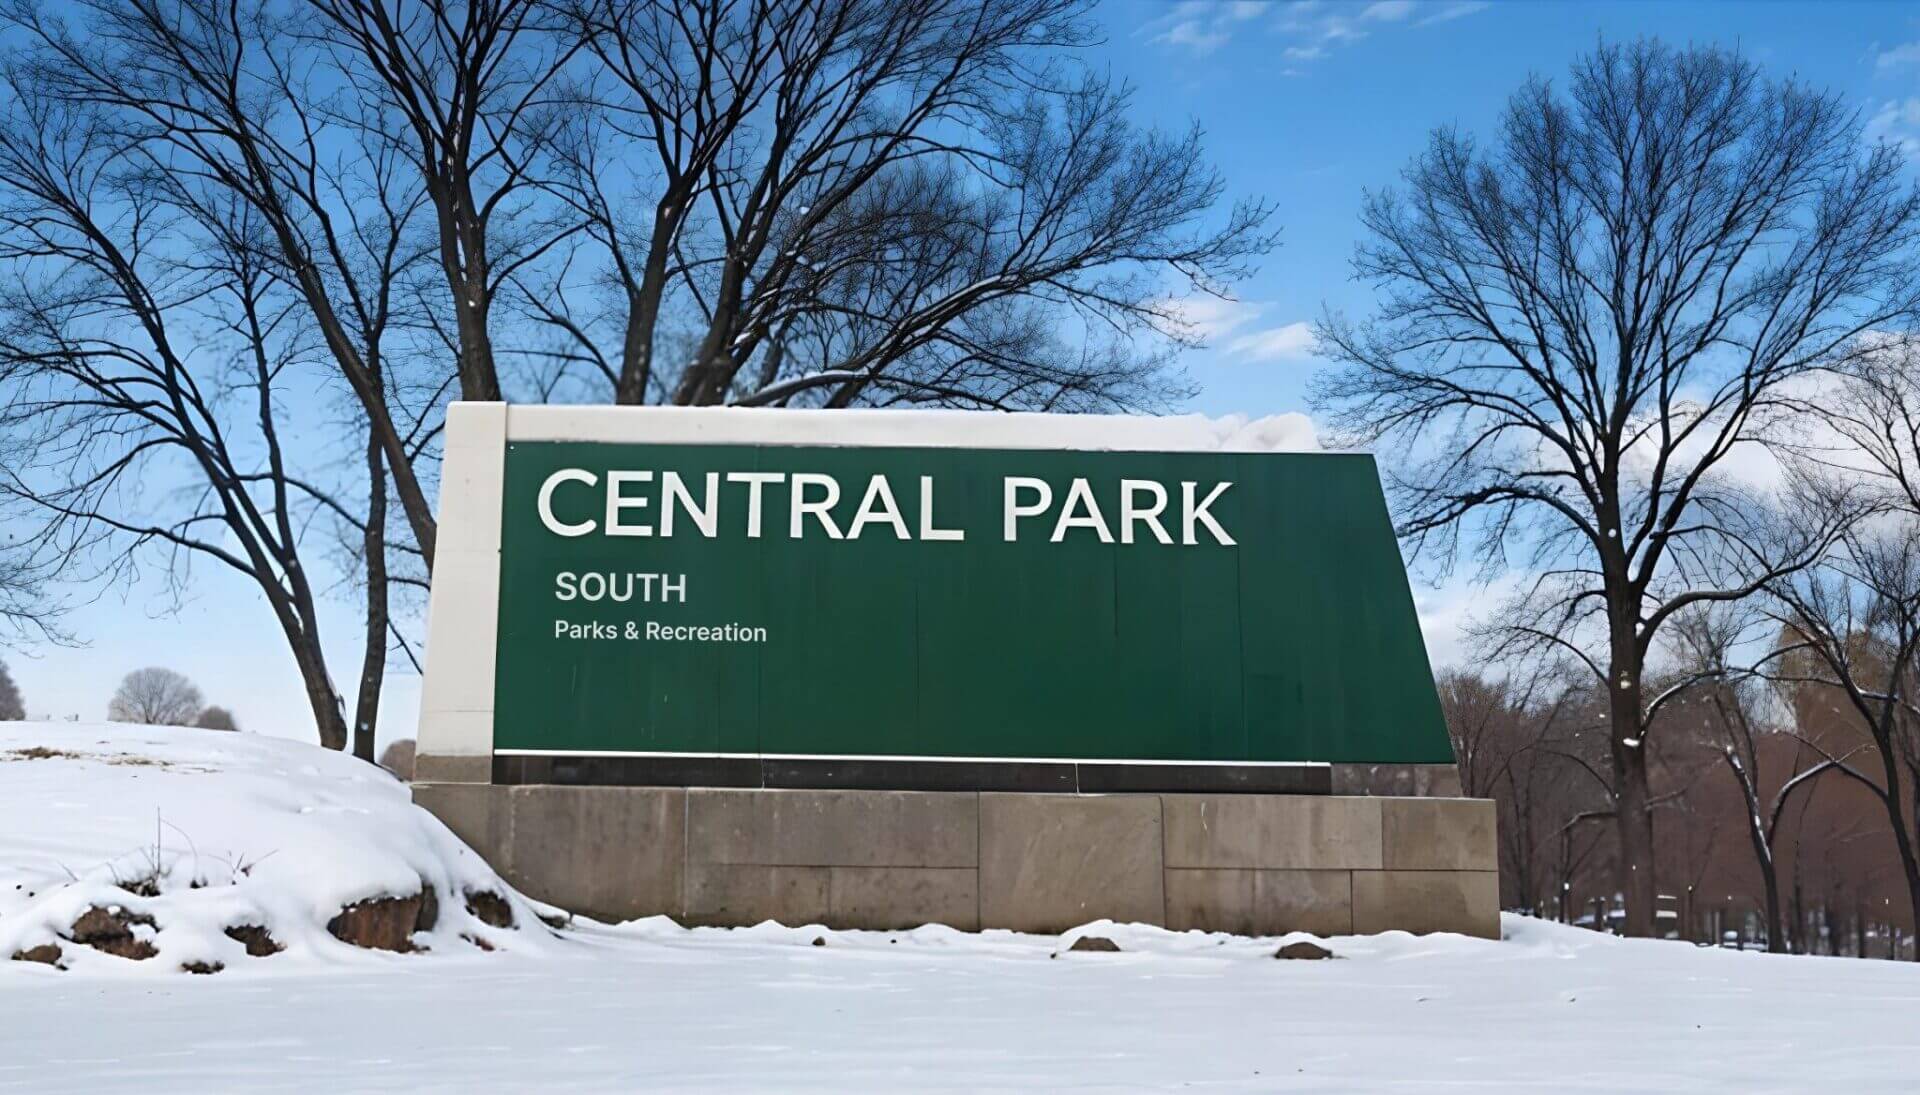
(1246, 863)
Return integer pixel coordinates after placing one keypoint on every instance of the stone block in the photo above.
(476, 812)
(1210, 901)
(737, 895)
(834, 828)
(1318, 902)
(1427, 901)
(614, 853)
(1439, 834)
(445, 768)
(896, 898)
(1052, 862)
(1273, 832)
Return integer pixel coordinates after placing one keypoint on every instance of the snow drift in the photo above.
(189, 849)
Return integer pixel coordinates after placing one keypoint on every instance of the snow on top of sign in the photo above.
(205, 830)
(908, 428)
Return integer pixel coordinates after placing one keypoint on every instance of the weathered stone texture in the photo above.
(1445, 834)
(610, 852)
(1051, 862)
(1427, 901)
(1248, 864)
(892, 898)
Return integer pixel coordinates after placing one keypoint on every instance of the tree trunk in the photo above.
(643, 306)
(1633, 821)
(1894, 801)
(1627, 746)
(321, 697)
(373, 666)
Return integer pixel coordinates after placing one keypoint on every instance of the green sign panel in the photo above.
(779, 600)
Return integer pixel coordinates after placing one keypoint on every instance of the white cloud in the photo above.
(1319, 27)
(1291, 342)
(1192, 34)
(1898, 120)
(1207, 317)
(1449, 12)
(1388, 11)
(1200, 27)
(1907, 53)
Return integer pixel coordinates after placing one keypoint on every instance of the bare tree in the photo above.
(1858, 615)
(1707, 634)
(222, 101)
(468, 91)
(142, 342)
(877, 201)
(24, 610)
(216, 718)
(12, 706)
(155, 697)
(1584, 318)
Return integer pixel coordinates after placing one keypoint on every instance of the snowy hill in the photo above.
(178, 835)
(281, 835)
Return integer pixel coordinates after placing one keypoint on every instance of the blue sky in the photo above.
(1310, 104)
(1307, 104)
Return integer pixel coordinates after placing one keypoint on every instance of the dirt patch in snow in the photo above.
(47, 954)
(379, 923)
(259, 942)
(1093, 944)
(41, 752)
(490, 908)
(111, 931)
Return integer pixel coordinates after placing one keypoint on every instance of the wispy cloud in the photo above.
(1314, 28)
(1290, 342)
(1207, 317)
(1388, 11)
(1898, 120)
(1907, 53)
(1199, 26)
(1445, 13)
(1223, 323)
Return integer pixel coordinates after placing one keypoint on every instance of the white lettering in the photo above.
(563, 586)
(821, 509)
(1129, 512)
(754, 480)
(886, 512)
(554, 525)
(1080, 497)
(927, 531)
(1191, 513)
(618, 501)
(1012, 508)
(706, 517)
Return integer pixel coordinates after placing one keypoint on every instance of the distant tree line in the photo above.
(156, 696)
(13, 706)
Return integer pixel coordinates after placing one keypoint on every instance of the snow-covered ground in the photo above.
(650, 1004)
